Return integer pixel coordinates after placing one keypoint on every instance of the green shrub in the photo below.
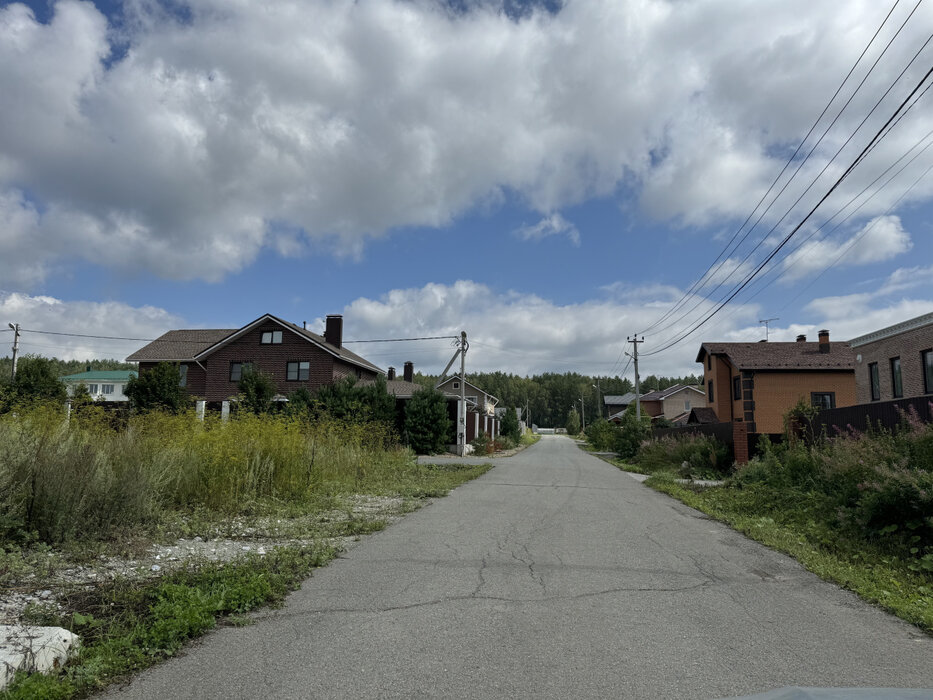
(693, 456)
(427, 426)
(632, 433)
(257, 389)
(602, 435)
(158, 388)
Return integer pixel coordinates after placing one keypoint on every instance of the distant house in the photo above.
(481, 407)
(673, 403)
(212, 361)
(617, 404)
(758, 382)
(102, 385)
(895, 362)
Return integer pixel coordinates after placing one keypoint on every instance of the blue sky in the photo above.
(549, 177)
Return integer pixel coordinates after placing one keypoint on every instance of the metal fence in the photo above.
(721, 431)
(885, 414)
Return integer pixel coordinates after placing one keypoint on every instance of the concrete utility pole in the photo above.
(461, 412)
(599, 405)
(15, 328)
(635, 341)
(582, 414)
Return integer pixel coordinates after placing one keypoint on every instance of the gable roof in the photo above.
(398, 388)
(667, 393)
(196, 344)
(702, 415)
(466, 383)
(782, 356)
(100, 375)
(619, 400)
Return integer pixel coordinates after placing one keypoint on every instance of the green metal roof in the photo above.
(114, 375)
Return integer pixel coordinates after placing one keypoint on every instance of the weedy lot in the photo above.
(142, 537)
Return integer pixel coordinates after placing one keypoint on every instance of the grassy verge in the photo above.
(131, 623)
(795, 522)
(529, 439)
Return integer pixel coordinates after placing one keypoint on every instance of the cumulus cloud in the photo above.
(308, 124)
(515, 332)
(882, 238)
(45, 318)
(553, 225)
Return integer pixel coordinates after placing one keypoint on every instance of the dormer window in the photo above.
(271, 338)
(456, 385)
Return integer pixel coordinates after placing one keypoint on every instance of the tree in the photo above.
(510, 427)
(158, 388)
(632, 433)
(36, 379)
(349, 400)
(257, 389)
(573, 422)
(426, 423)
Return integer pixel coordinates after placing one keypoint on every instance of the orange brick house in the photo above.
(756, 383)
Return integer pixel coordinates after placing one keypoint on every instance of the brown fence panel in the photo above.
(887, 414)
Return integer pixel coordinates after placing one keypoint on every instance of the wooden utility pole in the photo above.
(635, 341)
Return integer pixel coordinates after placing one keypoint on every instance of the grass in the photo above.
(794, 522)
(74, 493)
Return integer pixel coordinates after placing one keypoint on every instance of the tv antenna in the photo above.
(766, 321)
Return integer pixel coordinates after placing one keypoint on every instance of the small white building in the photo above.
(102, 385)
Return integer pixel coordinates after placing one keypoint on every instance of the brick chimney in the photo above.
(390, 375)
(824, 341)
(333, 331)
(801, 338)
(409, 372)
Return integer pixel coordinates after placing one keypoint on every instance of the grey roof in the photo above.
(180, 345)
(670, 391)
(623, 400)
(454, 392)
(187, 345)
(782, 356)
(399, 388)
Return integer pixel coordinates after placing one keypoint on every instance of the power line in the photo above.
(876, 138)
(708, 274)
(404, 340)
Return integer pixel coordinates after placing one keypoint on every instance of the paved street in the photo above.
(554, 575)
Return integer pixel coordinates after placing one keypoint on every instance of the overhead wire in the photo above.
(694, 288)
(739, 287)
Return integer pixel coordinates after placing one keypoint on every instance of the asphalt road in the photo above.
(552, 576)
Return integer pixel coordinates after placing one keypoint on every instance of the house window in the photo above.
(106, 388)
(182, 375)
(238, 368)
(823, 399)
(710, 390)
(456, 385)
(896, 384)
(297, 371)
(927, 357)
(271, 338)
(736, 388)
(686, 404)
(92, 389)
(873, 381)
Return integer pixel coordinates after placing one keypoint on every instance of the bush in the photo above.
(427, 426)
(693, 456)
(36, 379)
(158, 388)
(573, 422)
(257, 390)
(632, 433)
(510, 425)
(602, 435)
(350, 400)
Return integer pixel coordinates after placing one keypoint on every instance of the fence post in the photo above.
(225, 410)
(199, 409)
(740, 442)
(68, 411)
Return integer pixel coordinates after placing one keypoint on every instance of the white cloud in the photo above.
(45, 319)
(516, 332)
(308, 124)
(881, 239)
(553, 225)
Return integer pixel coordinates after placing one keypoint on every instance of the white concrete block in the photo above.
(33, 649)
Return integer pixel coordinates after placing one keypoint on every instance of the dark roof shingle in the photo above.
(782, 356)
(180, 345)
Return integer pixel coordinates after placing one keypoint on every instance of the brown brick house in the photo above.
(212, 360)
(895, 362)
(757, 383)
(673, 403)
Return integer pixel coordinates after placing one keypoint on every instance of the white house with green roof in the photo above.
(102, 385)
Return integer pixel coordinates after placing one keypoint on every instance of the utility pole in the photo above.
(766, 321)
(635, 341)
(599, 405)
(461, 412)
(582, 413)
(15, 328)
